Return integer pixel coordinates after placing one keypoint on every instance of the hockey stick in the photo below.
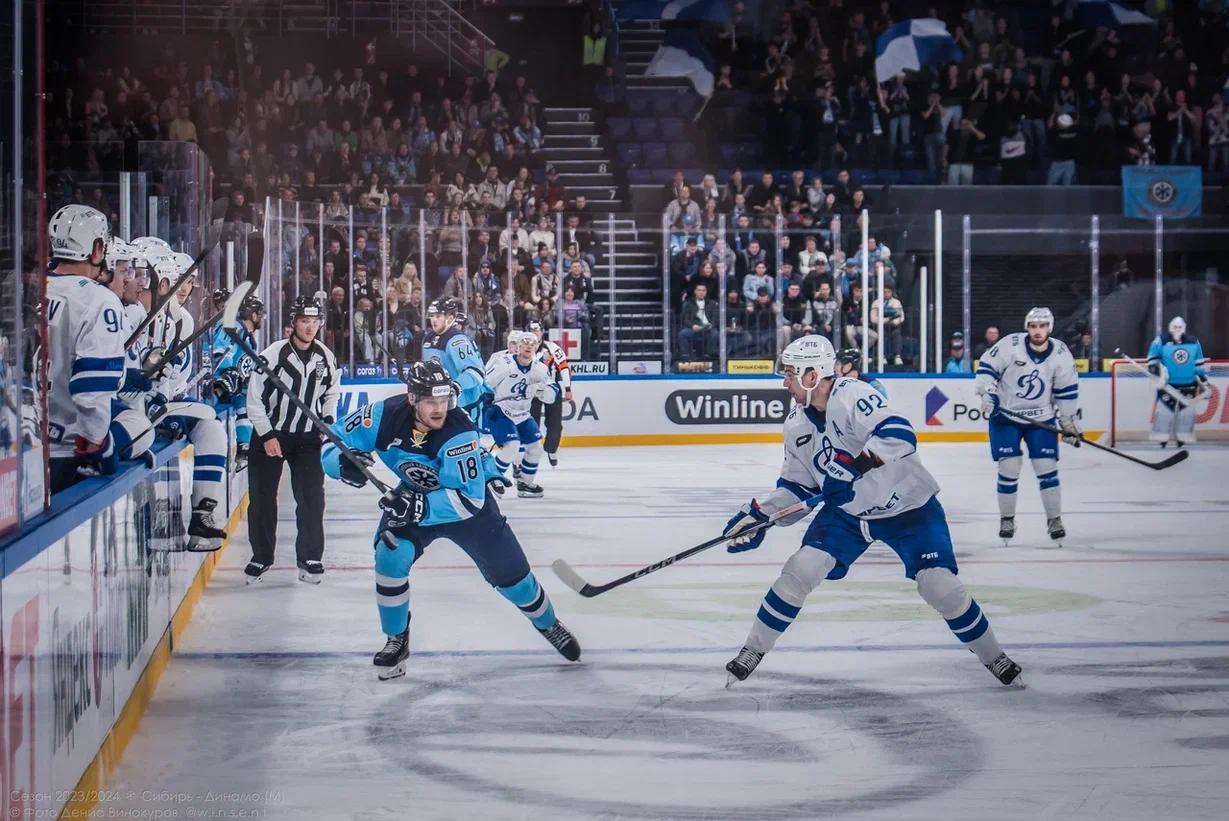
(230, 317)
(155, 368)
(572, 579)
(1168, 462)
(166, 298)
(1161, 385)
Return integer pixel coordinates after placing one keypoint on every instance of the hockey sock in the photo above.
(1009, 479)
(209, 447)
(531, 456)
(508, 455)
(944, 592)
(532, 600)
(529, 469)
(393, 584)
(1047, 478)
(243, 431)
(783, 601)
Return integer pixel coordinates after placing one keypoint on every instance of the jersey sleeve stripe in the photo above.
(798, 489)
(98, 363)
(94, 384)
(893, 420)
(982, 367)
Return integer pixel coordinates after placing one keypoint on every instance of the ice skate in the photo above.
(203, 535)
(391, 660)
(553, 459)
(255, 572)
(311, 572)
(1007, 529)
(742, 665)
(1056, 529)
(1006, 670)
(241, 457)
(516, 471)
(528, 490)
(562, 640)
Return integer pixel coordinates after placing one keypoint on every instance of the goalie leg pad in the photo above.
(942, 590)
(1009, 478)
(1047, 479)
(1165, 419)
(782, 603)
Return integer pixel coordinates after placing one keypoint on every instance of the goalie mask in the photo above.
(1177, 328)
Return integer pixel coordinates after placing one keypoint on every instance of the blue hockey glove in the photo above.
(349, 472)
(404, 506)
(842, 472)
(749, 516)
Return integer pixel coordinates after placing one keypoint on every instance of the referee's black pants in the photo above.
(302, 452)
(554, 422)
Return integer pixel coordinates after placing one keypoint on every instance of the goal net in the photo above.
(1133, 403)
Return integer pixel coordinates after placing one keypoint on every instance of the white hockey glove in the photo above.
(1204, 387)
(989, 405)
(1073, 433)
(546, 393)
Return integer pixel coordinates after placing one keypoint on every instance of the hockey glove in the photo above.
(546, 393)
(226, 385)
(95, 459)
(1204, 386)
(497, 482)
(842, 472)
(1154, 368)
(350, 472)
(989, 405)
(749, 516)
(155, 408)
(404, 506)
(1073, 434)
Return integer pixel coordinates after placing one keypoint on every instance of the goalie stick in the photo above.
(170, 293)
(230, 317)
(572, 579)
(1161, 385)
(1169, 462)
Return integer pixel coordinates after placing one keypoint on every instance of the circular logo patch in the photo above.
(1181, 356)
(421, 477)
(1162, 192)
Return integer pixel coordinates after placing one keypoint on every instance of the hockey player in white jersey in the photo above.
(514, 379)
(1033, 376)
(168, 401)
(846, 447)
(86, 331)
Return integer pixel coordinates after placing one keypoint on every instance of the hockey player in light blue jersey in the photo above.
(1030, 375)
(849, 364)
(843, 442)
(433, 448)
(456, 352)
(1180, 362)
(232, 369)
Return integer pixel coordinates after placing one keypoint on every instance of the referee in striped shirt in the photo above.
(282, 433)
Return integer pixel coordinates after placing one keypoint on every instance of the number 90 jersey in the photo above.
(857, 421)
(448, 464)
(85, 347)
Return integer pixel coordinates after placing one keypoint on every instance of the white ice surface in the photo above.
(868, 708)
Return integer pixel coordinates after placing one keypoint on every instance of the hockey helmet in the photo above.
(534, 326)
(427, 380)
(810, 352)
(74, 230)
(251, 306)
(303, 307)
(219, 298)
(445, 305)
(849, 356)
(1042, 315)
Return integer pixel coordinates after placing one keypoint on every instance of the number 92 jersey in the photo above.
(448, 465)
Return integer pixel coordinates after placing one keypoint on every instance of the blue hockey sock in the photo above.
(532, 600)
(502, 465)
(529, 468)
(393, 584)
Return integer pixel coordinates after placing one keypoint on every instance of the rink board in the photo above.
(702, 409)
(89, 599)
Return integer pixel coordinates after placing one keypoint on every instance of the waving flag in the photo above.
(912, 44)
(682, 55)
(1102, 13)
(711, 11)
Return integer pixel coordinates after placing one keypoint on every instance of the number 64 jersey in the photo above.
(85, 351)
(859, 436)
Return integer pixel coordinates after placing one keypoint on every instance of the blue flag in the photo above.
(1091, 14)
(912, 44)
(1173, 191)
(681, 54)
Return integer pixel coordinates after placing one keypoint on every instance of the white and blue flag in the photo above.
(682, 55)
(1104, 14)
(710, 11)
(913, 44)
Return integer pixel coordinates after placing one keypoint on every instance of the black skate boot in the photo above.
(553, 459)
(562, 640)
(311, 572)
(203, 535)
(528, 490)
(241, 456)
(1057, 531)
(1006, 670)
(497, 484)
(516, 471)
(742, 665)
(1007, 529)
(255, 572)
(391, 660)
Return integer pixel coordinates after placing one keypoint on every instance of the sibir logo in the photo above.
(935, 400)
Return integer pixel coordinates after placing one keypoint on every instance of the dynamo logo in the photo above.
(935, 400)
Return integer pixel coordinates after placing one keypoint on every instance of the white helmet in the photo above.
(120, 251)
(810, 352)
(1044, 315)
(151, 249)
(74, 229)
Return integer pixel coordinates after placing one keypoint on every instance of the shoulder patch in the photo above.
(802, 440)
(460, 449)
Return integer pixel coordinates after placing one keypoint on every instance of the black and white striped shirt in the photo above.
(311, 374)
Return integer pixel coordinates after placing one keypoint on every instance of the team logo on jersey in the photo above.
(1181, 356)
(520, 389)
(423, 478)
(824, 455)
(322, 369)
(417, 438)
(1031, 386)
(245, 366)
